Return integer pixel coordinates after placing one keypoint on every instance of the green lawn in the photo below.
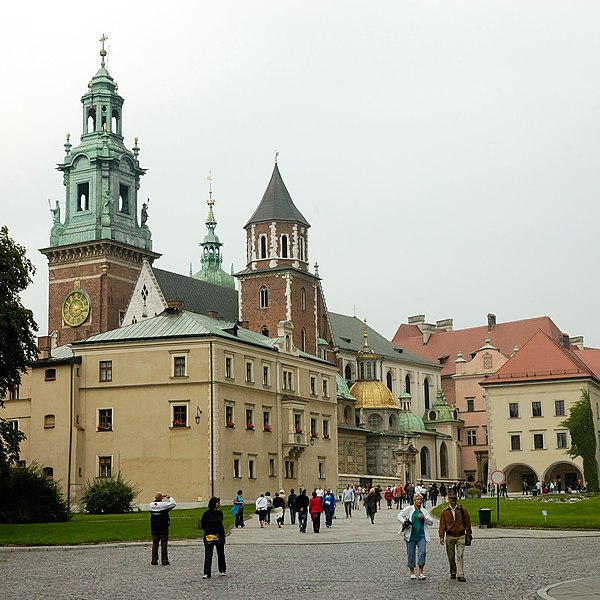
(527, 512)
(95, 529)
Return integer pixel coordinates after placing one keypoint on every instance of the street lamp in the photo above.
(198, 415)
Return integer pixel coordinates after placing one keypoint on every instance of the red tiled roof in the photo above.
(504, 336)
(540, 359)
(591, 357)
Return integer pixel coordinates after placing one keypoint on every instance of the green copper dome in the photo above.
(343, 391)
(408, 421)
(440, 411)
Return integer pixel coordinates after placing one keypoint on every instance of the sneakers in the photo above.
(413, 576)
(421, 577)
(223, 574)
(205, 576)
(461, 578)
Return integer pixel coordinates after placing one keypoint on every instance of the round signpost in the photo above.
(498, 478)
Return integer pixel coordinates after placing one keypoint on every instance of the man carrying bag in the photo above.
(455, 526)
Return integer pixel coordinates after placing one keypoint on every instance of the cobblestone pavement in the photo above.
(275, 562)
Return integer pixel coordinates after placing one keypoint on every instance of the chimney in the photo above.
(174, 306)
(44, 345)
(491, 321)
(427, 329)
(577, 342)
(444, 325)
(564, 340)
(416, 320)
(214, 314)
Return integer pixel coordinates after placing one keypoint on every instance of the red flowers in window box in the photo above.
(230, 424)
(105, 427)
(267, 428)
(298, 429)
(178, 423)
(325, 436)
(250, 426)
(314, 434)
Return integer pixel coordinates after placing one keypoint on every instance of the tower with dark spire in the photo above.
(276, 284)
(211, 260)
(98, 246)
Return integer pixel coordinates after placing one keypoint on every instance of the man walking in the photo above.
(455, 526)
(159, 526)
(302, 502)
(348, 500)
(292, 506)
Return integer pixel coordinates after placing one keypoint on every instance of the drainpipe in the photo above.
(70, 439)
(212, 426)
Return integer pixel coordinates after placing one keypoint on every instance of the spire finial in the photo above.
(103, 51)
(365, 334)
(210, 180)
(276, 155)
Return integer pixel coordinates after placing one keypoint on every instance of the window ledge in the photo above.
(180, 376)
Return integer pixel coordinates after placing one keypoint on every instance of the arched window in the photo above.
(393, 422)
(348, 372)
(303, 340)
(263, 246)
(265, 330)
(362, 370)
(114, 125)
(91, 120)
(425, 462)
(426, 393)
(264, 297)
(303, 299)
(347, 414)
(443, 460)
(49, 421)
(284, 246)
(407, 384)
(389, 382)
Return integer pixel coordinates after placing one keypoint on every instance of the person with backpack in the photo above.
(159, 526)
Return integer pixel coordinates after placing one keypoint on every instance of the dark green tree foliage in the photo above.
(109, 495)
(583, 438)
(31, 497)
(10, 440)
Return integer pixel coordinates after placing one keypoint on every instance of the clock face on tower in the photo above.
(76, 308)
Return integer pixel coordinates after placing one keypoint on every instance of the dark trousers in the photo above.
(208, 555)
(292, 516)
(161, 535)
(316, 521)
(328, 517)
(239, 517)
(302, 521)
(348, 508)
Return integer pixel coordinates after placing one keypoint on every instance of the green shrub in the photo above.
(32, 497)
(109, 495)
(474, 492)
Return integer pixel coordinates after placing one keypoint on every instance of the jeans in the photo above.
(455, 549)
(302, 521)
(161, 535)
(239, 517)
(328, 517)
(292, 516)
(411, 548)
(208, 554)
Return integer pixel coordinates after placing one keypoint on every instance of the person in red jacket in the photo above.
(315, 508)
(389, 496)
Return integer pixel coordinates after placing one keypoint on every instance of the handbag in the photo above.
(211, 539)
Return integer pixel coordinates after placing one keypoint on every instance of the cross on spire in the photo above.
(103, 51)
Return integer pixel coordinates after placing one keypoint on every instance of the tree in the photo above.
(109, 495)
(18, 347)
(583, 438)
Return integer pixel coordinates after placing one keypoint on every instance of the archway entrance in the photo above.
(517, 474)
(564, 475)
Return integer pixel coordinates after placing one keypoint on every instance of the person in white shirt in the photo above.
(159, 526)
(348, 500)
(261, 505)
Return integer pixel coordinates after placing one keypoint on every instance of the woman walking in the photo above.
(238, 509)
(214, 537)
(315, 508)
(261, 509)
(371, 504)
(415, 520)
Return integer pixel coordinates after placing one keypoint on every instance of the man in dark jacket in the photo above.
(159, 526)
(302, 508)
(455, 525)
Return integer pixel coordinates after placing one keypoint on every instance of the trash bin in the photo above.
(535, 492)
(485, 518)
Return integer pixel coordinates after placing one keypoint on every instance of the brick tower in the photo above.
(96, 252)
(276, 284)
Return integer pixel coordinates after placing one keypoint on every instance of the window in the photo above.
(301, 248)
(251, 469)
(105, 466)
(267, 421)
(49, 421)
(326, 428)
(471, 437)
(288, 381)
(284, 246)
(124, 198)
(50, 375)
(229, 367)
(48, 472)
(83, 196)
(14, 393)
(303, 339)
(313, 428)
(513, 410)
(271, 467)
(290, 469)
(106, 370)
(470, 404)
(561, 439)
(348, 373)
(236, 468)
(266, 375)
(180, 415)
(263, 246)
(249, 374)
(249, 418)
(538, 441)
(375, 421)
(425, 393)
(14, 424)
(302, 299)
(443, 460)
(264, 297)
(264, 331)
(298, 423)
(325, 388)
(322, 469)
(515, 442)
(485, 433)
(407, 384)
(105, 420)
(559, 408)
(179, 366)
(536, 409)
(229, 422)
(313, 385)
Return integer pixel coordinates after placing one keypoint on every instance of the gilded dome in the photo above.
(372, 394)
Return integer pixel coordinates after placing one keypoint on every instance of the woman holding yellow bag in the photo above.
(214, 536)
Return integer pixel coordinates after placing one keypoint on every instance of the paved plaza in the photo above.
(353, 557)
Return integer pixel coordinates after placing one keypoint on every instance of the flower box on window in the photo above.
(230, 424)
(314, 434)
(179, 423)
(105, 427)
(326, 436)
(267, 428)
(250, 426)
(298, 429)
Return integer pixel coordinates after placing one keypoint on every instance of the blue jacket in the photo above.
(329, 501)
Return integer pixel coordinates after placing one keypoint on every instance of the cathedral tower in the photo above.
(276, 284)
(96, 251)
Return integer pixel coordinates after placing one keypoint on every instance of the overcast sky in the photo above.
(445, 153)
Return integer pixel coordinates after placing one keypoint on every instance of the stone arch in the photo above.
(564, 472)
(516, 473)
